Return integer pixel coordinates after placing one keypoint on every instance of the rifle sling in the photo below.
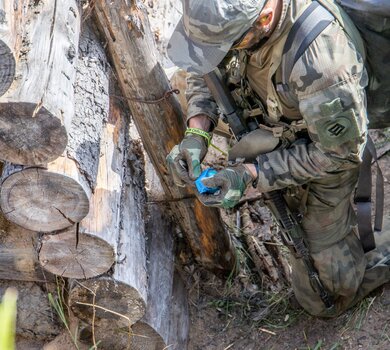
(363, 198)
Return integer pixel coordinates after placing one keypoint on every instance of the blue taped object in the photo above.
(202, 189)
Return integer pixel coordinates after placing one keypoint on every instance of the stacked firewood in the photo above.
(73, 179)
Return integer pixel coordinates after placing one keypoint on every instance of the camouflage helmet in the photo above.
(208, 29)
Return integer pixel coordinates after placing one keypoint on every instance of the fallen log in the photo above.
(43, 199)
(37, 110)
(152, 331)
(165, 324)
(75, 255)
(120, 295)
(56, 196)
(179, 322)
(99, 234)
(93, 253)
(10, 24)
(160, 124)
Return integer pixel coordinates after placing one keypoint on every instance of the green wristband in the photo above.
(200, 132)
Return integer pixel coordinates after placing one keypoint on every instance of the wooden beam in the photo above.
(160, 124)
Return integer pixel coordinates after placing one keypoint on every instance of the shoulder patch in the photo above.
(331, 108)
(337, 130)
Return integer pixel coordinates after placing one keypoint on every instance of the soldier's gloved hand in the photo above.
(185, 158)
(231, 181)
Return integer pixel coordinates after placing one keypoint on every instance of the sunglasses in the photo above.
(251, 36)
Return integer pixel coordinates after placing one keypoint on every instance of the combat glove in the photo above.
(185, 158)
(232, 182)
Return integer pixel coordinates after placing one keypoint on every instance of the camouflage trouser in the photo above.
(344, 269)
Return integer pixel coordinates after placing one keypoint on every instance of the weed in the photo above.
(57, 302)
(358, 314)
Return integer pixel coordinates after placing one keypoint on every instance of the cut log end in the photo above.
(43, 201)
(144, 337)
(29, 134)
(7, 67)
(116, 301)
(62, 255)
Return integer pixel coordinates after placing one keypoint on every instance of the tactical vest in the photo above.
(314, 19)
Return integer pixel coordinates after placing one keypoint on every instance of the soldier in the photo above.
(318, 165)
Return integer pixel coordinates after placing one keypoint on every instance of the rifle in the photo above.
(289, 225)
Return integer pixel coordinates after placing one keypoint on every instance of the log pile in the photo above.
(73, 184)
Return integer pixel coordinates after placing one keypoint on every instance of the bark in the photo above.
(152, 331)
(179, 322)
(36, 112)
(160, 125)
(121, 293)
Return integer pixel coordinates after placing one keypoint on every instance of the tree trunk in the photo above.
(152, 331)
(121, 293)
(37, 110)
(160, 125)
(179, 322)
(10, 24)
(166, 320)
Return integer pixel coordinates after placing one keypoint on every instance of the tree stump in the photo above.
(37, 110)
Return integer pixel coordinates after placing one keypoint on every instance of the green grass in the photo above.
(359, 314)
(58, 304)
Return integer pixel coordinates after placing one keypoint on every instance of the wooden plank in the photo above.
(161, 126)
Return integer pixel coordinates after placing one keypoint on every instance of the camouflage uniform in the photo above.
(321, 169)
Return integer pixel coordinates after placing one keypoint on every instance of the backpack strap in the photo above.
(363, 198)
(314, 19)
(304, 31)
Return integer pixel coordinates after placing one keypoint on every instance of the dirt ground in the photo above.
(236, 315)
